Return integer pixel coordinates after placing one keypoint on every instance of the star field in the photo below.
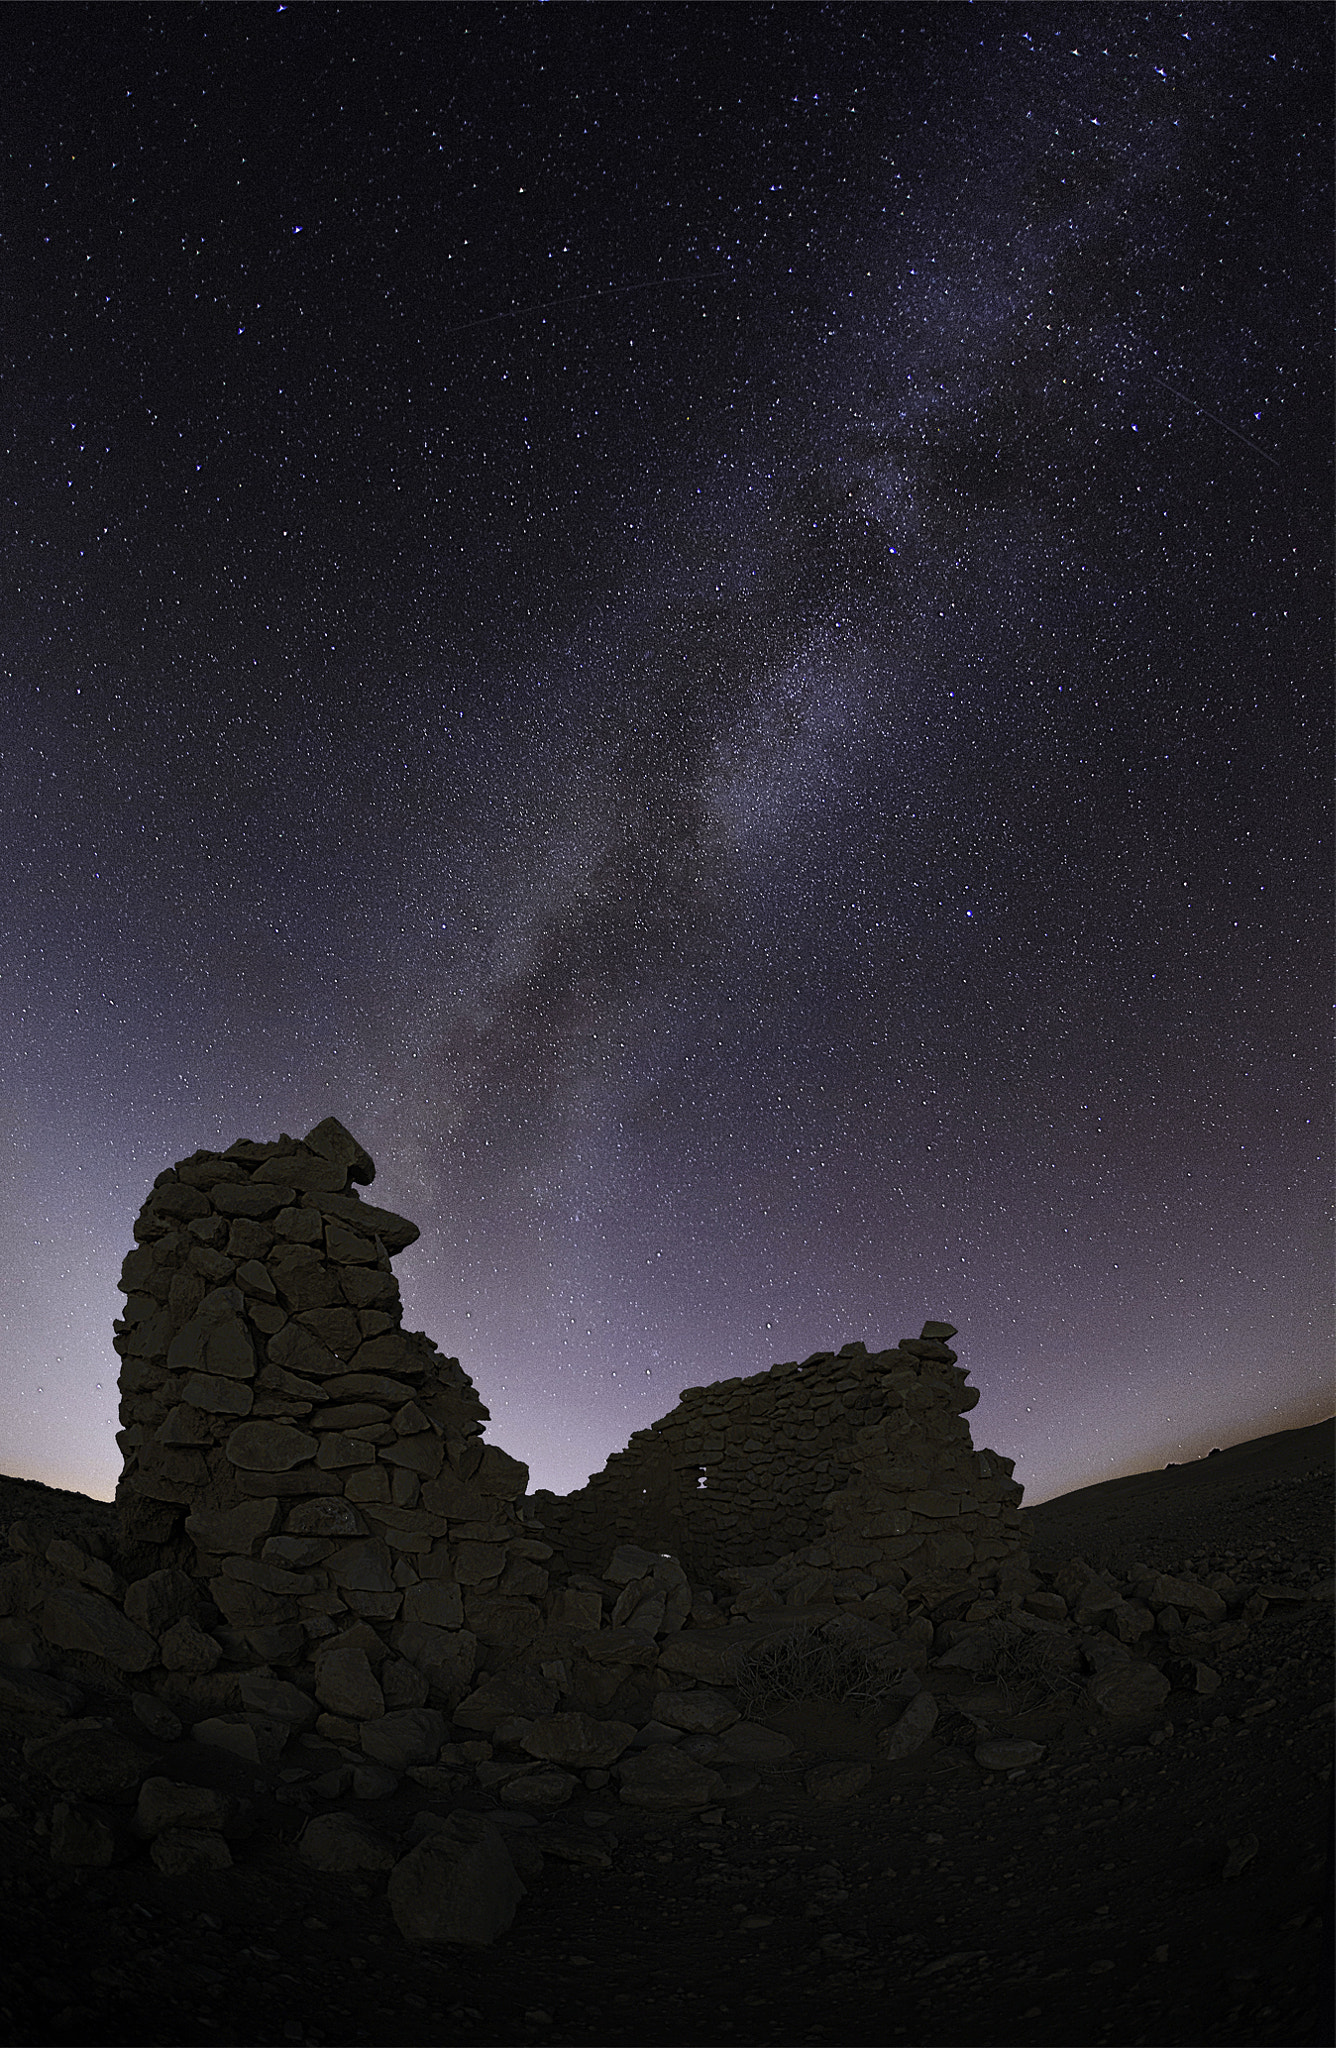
(711, 625)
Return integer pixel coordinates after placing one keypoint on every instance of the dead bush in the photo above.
(803, 1664)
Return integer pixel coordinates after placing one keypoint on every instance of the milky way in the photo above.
(715, 634)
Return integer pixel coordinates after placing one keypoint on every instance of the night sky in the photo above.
(710, 624)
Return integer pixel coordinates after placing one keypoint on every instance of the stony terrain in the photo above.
(1155, 1878)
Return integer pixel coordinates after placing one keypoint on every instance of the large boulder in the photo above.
(458, 1885)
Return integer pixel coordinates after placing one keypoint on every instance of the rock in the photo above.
(746, 1742)
(234, 1531)
(324, 1517)
(578, 1741)
(76, 1618)
(340, 1842)
(256, 1741)
(270, 1446)
(87, 1761)
(911, 1731)
(459, 1885)
(31, 1692)
(833, 1783)
(434, 1602)
(545, 1788)
(629, 1562)
(574, 1846)
(186, 1648)
(82, 1838)
(346, 1684)
(204, 1390)
(162, 1598)
(188, 1852)
(1004, 1755)
(445, 1657)
(700, 1711)
(659, 1731)
(975, 1651)
(1125, 1690)
(373, 1781)
(707, 1654)
(529, 1694)
(1186, 1595)
(158, 1718)
(165, 1804)
(1189, 1674)
(662, 1778)
(363, 1567)
(277, 1699)
(413, 1735)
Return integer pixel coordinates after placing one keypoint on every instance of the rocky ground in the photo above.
(1159, 1879)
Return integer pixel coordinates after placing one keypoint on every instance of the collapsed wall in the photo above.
(315, 1540)
(862, 1456)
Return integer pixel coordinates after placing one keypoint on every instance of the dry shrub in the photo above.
(802, 1664)
(1031, 1667)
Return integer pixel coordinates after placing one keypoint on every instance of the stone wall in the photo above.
(308, 1462)
(865, 1451)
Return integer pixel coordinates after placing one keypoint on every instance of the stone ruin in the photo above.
(826, 1480)
(319, 1557)
(302, 1465)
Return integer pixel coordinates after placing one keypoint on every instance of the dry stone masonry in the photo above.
(817, 1480)
(320, 1563)
(316, 1469)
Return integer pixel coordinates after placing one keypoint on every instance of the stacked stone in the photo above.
(315, 1468)
(866, 1452)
